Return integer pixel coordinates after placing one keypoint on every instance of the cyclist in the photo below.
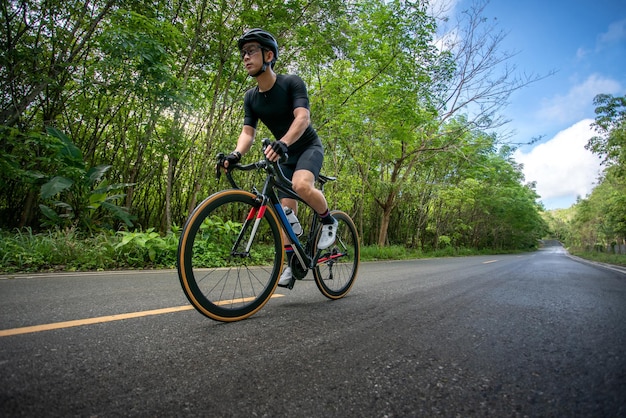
(281, 102)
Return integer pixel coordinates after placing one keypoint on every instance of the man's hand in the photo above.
(276, 150)
(231, 159)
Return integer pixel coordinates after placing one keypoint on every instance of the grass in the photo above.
(615, 259)
(67, 250)
(398, 252)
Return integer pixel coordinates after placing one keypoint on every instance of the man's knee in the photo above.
(302, 187)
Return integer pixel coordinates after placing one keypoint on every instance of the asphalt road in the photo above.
(537, 334)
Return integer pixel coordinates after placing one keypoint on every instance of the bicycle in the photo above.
(231, 250)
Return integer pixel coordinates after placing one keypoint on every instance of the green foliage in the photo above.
(67, 250)
(390, 252)
(144, 48)
(600, 219)
(25, 251)
(601, 257)
(598, 222)
(611, 126)
(26, 161)
(148, 248)
(149, 92)
(80, 196)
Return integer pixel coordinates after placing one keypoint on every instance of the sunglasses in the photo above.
(250, 51)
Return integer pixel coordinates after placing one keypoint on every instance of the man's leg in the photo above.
(304, 184)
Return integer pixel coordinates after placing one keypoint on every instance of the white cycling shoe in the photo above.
(285, 278)
(329, 233)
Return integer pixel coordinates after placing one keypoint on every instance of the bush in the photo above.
(67, 250)
(55, 250)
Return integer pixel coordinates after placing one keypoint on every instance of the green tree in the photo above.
(610, 124)
(25, 160)
(154, 90)
(80, 196)
(377, 99)
(600, 219)
(44, 45)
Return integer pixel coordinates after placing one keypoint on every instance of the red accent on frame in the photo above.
(261, 211)
(325, 259)
(251, 214)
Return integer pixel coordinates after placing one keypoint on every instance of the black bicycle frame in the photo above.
(285, 186)
(276, 180)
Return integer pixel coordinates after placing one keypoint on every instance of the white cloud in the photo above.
(575, 104)
(582, 53)
(562, 167)
(615, 33)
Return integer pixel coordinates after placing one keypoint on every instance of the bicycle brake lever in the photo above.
(218, 165)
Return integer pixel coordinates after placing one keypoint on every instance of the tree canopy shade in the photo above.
(153, 91)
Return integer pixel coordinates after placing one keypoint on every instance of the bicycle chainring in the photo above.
(297, 270)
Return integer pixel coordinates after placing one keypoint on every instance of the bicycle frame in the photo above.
(276, 180)
(268, 195)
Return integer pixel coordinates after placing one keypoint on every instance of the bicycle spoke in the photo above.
(221, 279)
(337, 268)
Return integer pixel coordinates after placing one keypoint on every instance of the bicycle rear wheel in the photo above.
(228, 269)
(337, 265)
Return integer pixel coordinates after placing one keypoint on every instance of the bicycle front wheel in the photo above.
(337, 265)
(230, 255)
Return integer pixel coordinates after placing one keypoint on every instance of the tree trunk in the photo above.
(168, 194)
(27, 212)
(384, 226)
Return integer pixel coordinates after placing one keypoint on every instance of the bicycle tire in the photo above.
(222, 282)
(338, 265)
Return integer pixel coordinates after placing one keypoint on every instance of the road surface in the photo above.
(536, 334)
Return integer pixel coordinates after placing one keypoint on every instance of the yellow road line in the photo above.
(89, 321)
(101, 319)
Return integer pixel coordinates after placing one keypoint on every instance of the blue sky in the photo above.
(584, 42)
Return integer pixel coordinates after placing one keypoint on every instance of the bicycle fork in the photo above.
(254, 216)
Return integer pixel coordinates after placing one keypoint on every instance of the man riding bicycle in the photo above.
(281, 102)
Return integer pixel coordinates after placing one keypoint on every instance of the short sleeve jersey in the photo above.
(275, 109)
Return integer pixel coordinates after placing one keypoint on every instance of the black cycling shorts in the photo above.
(311, 159)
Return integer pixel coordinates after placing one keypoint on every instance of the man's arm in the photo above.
(245, 140)
(244, 143)
(297, 128)
(302, 120)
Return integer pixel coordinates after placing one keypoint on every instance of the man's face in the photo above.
(252, 57)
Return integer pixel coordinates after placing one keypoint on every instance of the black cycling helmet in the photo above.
(264, 38)
(261, 36)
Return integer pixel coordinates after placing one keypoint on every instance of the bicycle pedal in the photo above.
(288, 286)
